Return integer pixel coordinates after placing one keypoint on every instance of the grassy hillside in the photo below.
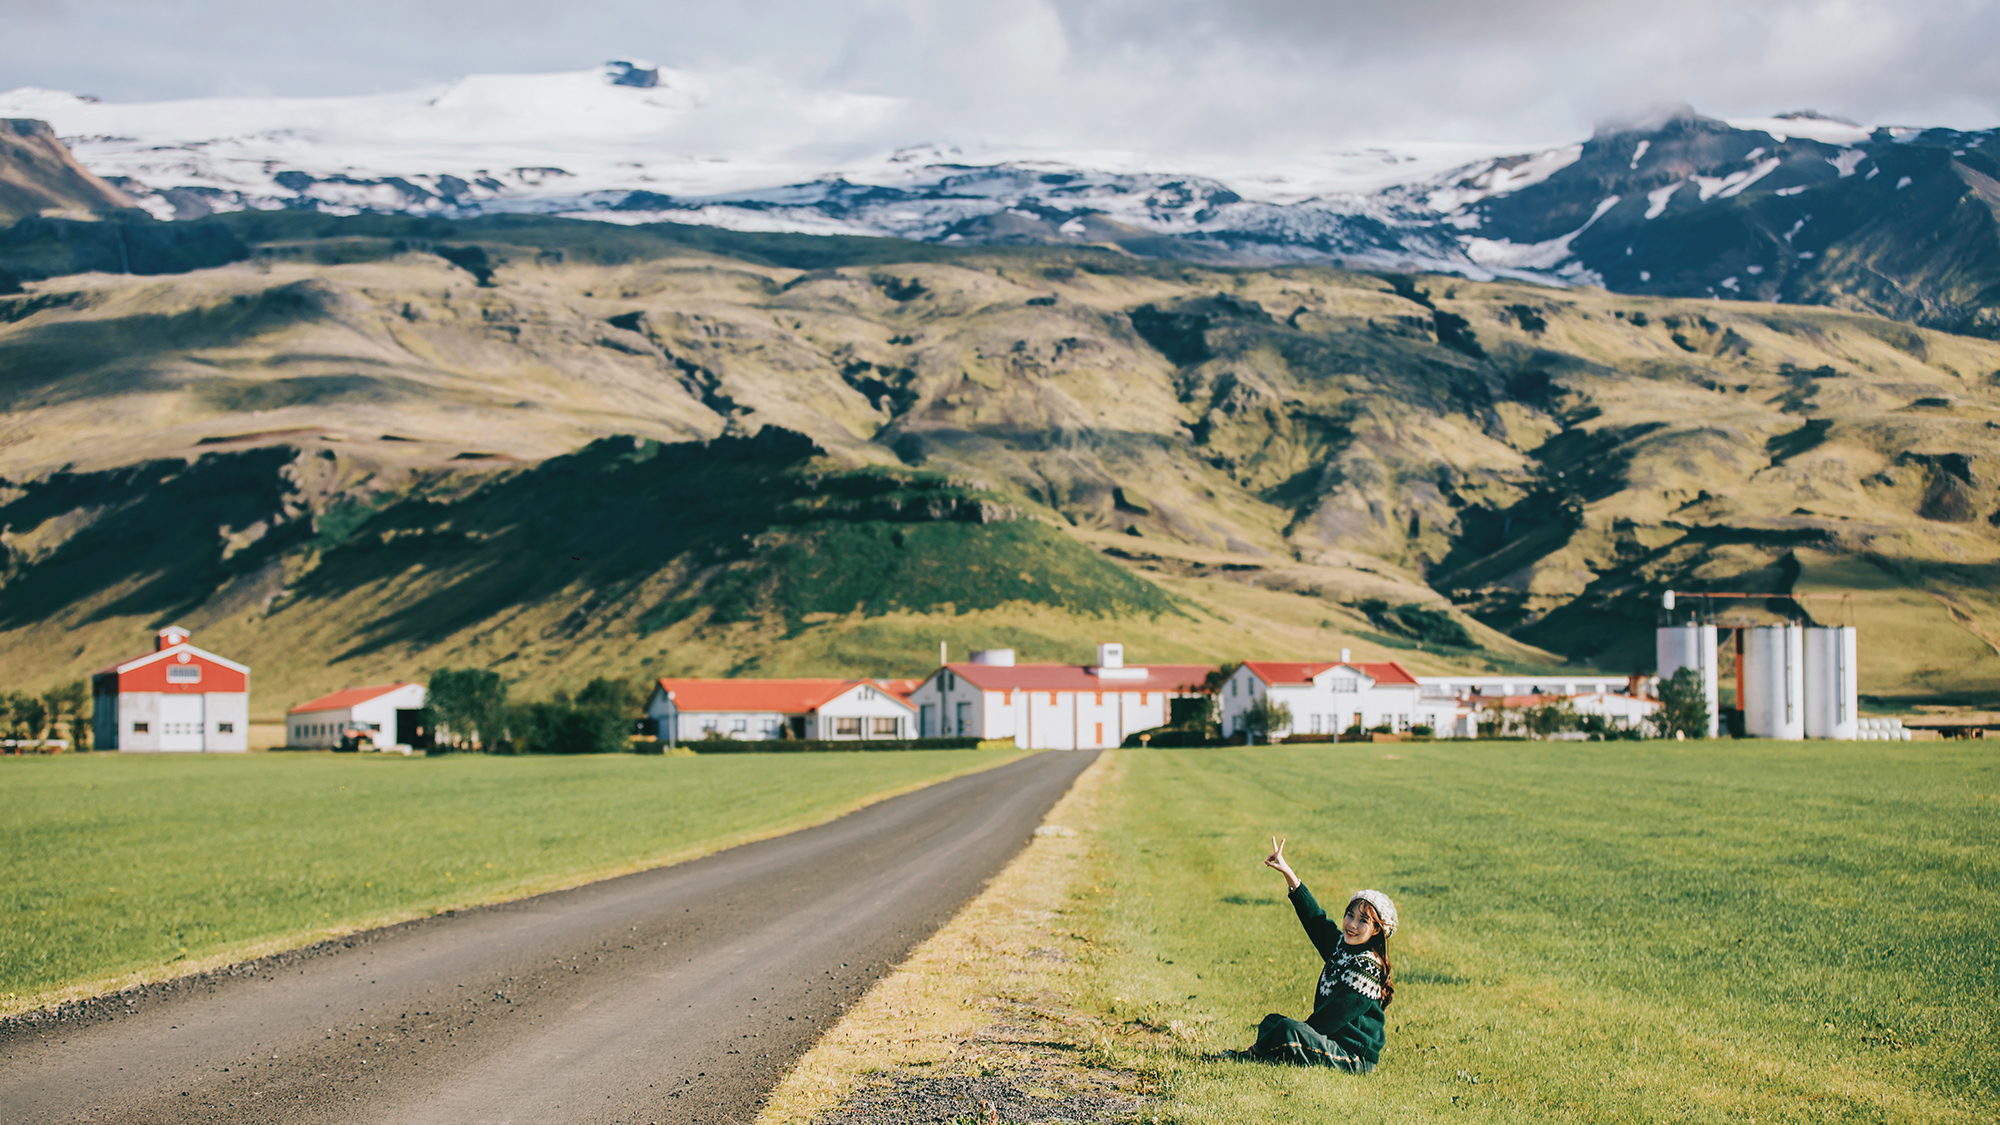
(1221, 462)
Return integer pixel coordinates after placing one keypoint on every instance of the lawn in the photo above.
(122, 864)
(1591, 932)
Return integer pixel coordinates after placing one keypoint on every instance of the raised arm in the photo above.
(1323, 931)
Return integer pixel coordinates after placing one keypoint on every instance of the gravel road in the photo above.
(675, 995)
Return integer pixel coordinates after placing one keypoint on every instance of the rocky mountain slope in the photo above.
(369, 446)
(38, 176)
(1797, 208)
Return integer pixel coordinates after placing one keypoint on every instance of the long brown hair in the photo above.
(1378, 944)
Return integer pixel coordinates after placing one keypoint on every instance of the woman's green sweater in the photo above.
(1347, 1006)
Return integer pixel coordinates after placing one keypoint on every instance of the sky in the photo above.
(1149, 75)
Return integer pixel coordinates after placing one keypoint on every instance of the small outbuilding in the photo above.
(691, 710)
(383, 714)
(174, 698)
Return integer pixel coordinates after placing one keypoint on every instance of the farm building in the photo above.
(1051, 706)
(690, 710)
(384, 714)
(174, 698)
(1619, 710)
(1328, 697)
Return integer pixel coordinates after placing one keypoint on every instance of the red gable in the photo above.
(1299, 672)
(182, 669)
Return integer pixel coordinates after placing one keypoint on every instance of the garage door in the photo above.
(181, 722)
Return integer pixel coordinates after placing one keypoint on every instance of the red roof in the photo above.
(1076, 677)
(347, 697)
(789, 697)
(1296, 672)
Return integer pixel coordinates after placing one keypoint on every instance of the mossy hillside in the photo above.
(1542, 463)
(616, 543)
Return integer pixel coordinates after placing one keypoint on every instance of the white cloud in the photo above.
(1164, 75)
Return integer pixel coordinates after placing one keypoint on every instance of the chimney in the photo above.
(1111, 654)
(169, 637)
(1347, 656)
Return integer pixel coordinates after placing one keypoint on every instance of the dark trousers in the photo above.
(1285, 1040)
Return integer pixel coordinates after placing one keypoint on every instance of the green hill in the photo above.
(355, 448)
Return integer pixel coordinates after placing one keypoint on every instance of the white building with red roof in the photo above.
(1328, 697)
(174, 698)
(691, 710)
(1051, 706)
(384, 714)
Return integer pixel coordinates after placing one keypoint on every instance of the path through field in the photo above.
(675, 995)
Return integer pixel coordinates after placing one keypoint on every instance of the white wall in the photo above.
(868, 706)
(220, 710)
(1324, 706)
(1039, 720)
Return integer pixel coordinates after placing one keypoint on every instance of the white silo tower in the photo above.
(1833, 687)
(1774, 682)
(1691, 646)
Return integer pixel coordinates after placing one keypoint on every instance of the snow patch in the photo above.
(1640, 152)
(1903, 183)
(1818, 129)
(1533, 255)
(1848, 161)
(1501, 177)
(1724, 187)
(1659, 197)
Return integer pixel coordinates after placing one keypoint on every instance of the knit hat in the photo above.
(1384, 909)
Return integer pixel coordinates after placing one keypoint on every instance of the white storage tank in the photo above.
(1691, 646)
(1833, 688)
(1774, 682)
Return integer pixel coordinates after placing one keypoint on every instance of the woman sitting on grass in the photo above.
(1345, 1029)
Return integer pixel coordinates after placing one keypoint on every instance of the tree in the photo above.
(1266, 715)
(468, 708)
(1683, 706)
(597, 721)
(1552, 718)
(66, 707)
(30, 716)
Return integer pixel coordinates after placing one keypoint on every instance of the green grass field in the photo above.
(138, 864)
(1591, 932)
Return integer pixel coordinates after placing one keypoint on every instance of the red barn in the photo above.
(176, 697)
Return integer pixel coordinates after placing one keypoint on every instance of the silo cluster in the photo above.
(1795, 681)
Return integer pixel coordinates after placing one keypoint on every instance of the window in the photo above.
(183, 673)
(708, 726)
(773, 728)
(883, 728)
(847, 728)
(225, 728)
(929, 715)
(869, 695)
(739, 726)
(965, 716)
(374, 726)
(140, 728)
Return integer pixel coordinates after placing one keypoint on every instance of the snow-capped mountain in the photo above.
(1797, 207)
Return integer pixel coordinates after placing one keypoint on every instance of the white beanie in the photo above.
(1385, 909)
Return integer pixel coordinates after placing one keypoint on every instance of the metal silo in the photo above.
(1774, 682)
(1832, 685)
(1690, 646)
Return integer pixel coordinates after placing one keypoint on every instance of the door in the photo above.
(928, 727)
(181, 718)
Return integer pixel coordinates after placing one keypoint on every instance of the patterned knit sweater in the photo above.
(1347, 1006)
